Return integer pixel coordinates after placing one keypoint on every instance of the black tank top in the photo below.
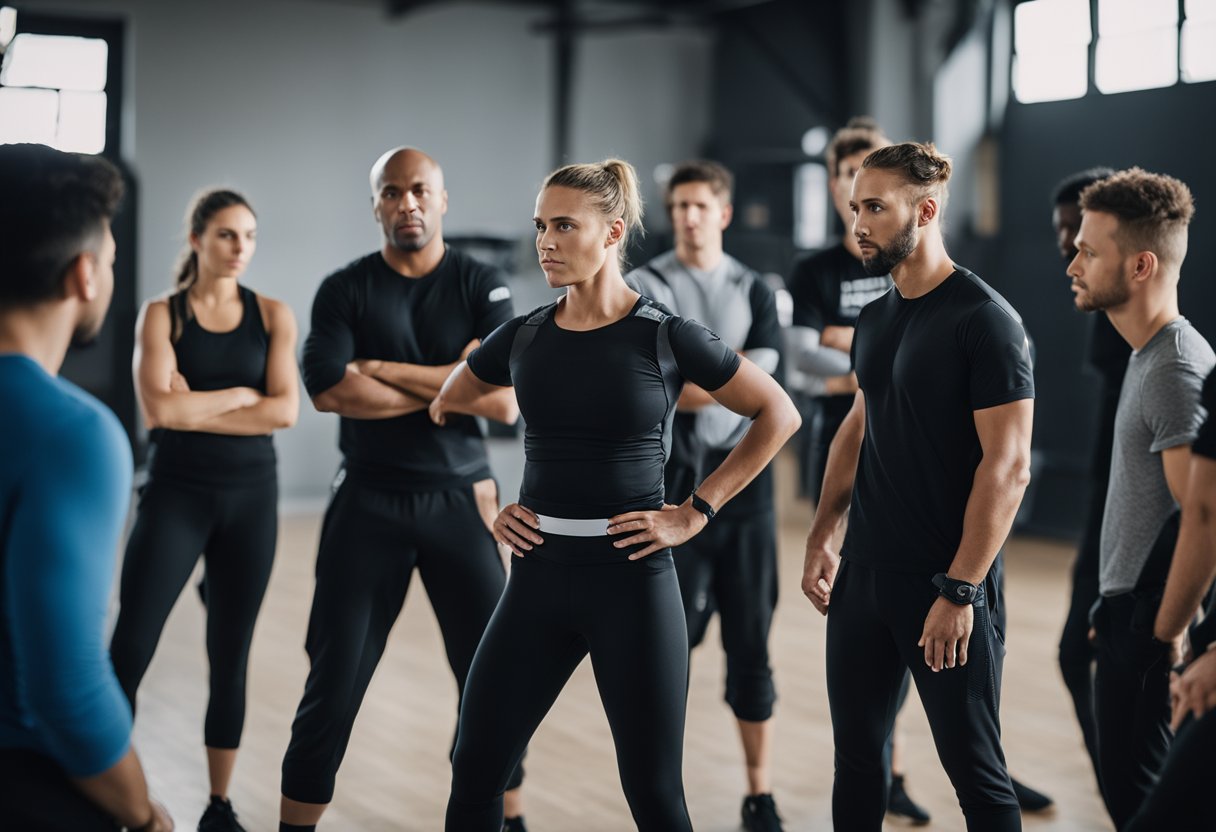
(215, 361)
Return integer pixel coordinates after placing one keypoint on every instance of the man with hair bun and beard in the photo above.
(930, 465)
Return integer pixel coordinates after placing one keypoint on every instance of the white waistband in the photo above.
(573, 528)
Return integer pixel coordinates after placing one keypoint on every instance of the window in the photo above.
(1051, 50)
(811, 206)
(1137, 45)
(1199, 41)
(52, 91)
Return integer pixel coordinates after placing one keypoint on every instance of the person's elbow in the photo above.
(328, 400)
(85, 728)
(1013, 468)
(286, 412)
(504, 408)
(783, 414)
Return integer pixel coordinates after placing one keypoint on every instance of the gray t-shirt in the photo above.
(1158, 409)
(734, 302)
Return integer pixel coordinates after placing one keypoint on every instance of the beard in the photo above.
(411, 242)
(1117, 293)
(885, 258)
(86, 333)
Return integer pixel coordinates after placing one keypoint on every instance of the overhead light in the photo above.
(815, 140)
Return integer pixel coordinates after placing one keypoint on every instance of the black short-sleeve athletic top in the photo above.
(597, 405)
(216, 361)
(926, 365)
(367, 310)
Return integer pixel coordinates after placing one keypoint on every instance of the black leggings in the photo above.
(731, 568)
(372, 539)
(569, 598)
(874, 623)
(235, 530)
(1181, 799)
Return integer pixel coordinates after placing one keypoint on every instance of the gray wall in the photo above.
(290, 101)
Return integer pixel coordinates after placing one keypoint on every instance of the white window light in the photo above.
(1125, 17)
(1137, 45)
(28, 115)
(8, 25)
(811, 206)
(54, 62)
(82, 122)
(815, 140)
(1201, 10)
(1051, 42)
(1198, 50)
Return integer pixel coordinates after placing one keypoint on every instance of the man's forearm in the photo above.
(418, 380)
(996, 493)
(500, 405)
(270, 414)
(358, 396)
(1191, 571)
(121, 791)
(838, 477)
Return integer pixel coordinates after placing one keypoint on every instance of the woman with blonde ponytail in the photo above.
(215, 373)
(597, 375)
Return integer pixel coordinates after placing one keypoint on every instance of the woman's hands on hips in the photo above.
(670, 526)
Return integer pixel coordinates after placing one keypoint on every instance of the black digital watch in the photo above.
(956, 592)
(702, 506)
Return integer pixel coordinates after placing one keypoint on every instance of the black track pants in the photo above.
(876, 619)
(558, 608)
(1181, 799)
(371, 541)
(1132, 701)
(37, 796)
(731, 568)
(1077, 654)
(234, 529)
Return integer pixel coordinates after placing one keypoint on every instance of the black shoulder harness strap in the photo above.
(667, 359)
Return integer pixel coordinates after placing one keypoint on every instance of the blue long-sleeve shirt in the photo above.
(65, 479)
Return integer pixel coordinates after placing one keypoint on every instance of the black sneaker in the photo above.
(515, 824)
(219, 817)
(1029, 799)
(760, 814)
(900, 805)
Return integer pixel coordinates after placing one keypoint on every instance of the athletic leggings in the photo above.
(874, 623)
(372, 539)
(731, 567)
(234, 529)
(568, 598)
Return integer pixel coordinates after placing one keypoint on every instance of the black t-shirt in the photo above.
(596, 406)
(925, 365)
(367, 310)
(829, 288)
(1205, 442)
(216, 361)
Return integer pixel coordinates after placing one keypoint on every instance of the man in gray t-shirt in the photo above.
(1158, 413)
(1129, 257)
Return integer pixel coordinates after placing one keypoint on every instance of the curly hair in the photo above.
(1153, 211)
(920, 164)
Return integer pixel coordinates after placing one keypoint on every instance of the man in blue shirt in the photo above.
(66, 761)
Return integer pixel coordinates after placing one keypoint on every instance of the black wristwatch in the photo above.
(957, 592)
(702, 506)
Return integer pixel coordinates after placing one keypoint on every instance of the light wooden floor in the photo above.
(396, 773)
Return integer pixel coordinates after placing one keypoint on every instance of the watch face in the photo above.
(964, 592)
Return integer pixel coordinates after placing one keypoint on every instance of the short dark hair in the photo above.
(861, 133)
(54, 207)
(1068, 191)
(1153, 210)
(714, 174)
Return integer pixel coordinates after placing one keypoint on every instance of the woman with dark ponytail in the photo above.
(215, 374)
(597, 375)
